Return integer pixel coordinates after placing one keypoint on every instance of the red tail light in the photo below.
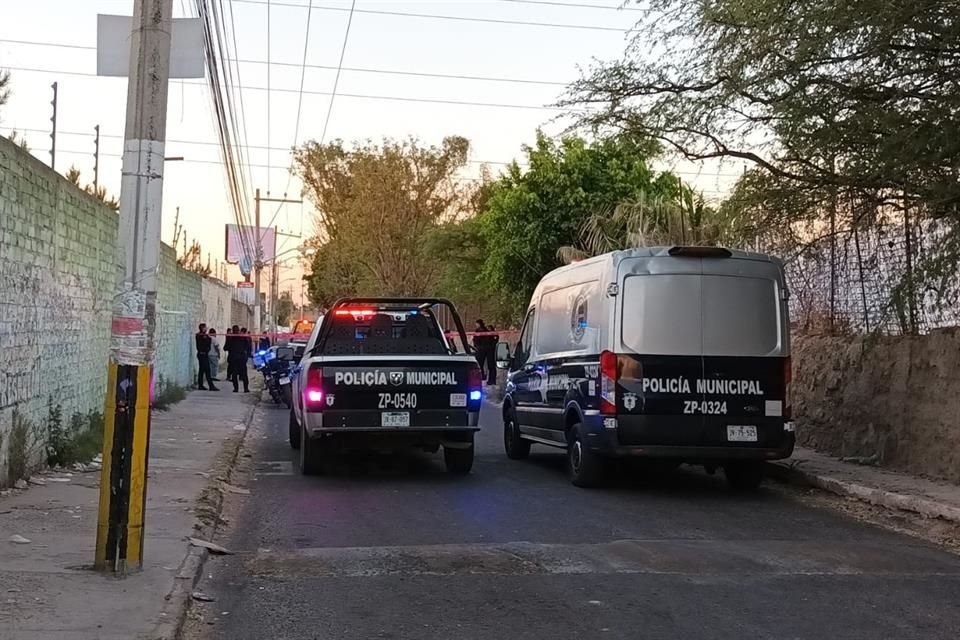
(313, 392)
(609, 374)
(787, 392)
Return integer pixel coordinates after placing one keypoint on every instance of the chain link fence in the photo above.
(881, 279)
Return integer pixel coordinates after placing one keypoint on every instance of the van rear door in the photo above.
(704, 353)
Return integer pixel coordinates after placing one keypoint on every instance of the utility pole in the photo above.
(123, 481)
(96, 160)
(258, 262)
(53, 129)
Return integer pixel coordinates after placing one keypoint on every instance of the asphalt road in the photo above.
(515, 552)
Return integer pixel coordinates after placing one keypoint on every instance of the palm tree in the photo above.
(681, 218)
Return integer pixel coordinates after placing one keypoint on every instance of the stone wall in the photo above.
(59, 269)
(893, 401)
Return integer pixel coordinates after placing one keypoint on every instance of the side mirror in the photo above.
(503, 355)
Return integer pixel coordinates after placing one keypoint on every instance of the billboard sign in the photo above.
(241, 245)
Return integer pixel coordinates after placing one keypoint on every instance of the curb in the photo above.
(926, 507)
(174, 612)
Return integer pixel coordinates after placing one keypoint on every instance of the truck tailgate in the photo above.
(400, 393)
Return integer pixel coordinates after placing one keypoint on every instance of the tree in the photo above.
(191, 260)
(100, 193)
(833, 95)
(285, 308)
(681, 217)
(4, 86)
(375, 205)
(531, 213)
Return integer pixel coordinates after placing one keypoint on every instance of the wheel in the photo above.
(459, 461)
(294, 431)
(744, 476)
(311, 454)
(516, 447)
(584, 466)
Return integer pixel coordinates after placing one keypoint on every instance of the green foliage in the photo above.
(531, 213)
(167, 394)
(4, 87)
(285, 308)
(19, 447)
(375, 203)
(79, 441)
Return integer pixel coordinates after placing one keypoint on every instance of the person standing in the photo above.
(203, 342)
(238, 350)
(215, 355)
(492, 341)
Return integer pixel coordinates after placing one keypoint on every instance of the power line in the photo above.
(576, 5)
(358, 96)
(336, 80)
(325, 67)
(296, 127)
(434, 16)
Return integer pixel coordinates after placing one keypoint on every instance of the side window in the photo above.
(525, 343)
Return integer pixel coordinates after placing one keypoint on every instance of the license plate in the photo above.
(741, 433)
(458, 399)
(284, 380)
(394, 419)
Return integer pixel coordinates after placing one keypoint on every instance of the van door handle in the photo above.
(529, 368)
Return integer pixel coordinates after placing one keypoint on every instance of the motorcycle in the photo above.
(276, 368)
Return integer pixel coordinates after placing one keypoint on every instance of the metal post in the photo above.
(123, 481)
(53, 129)
(257, 265)
(96, 160)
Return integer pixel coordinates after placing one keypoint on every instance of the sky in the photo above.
(418, 106)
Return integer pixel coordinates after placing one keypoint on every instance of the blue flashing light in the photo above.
(476, 395)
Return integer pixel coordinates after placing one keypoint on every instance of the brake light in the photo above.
(787, 384)
(609, 374)
(356, 313)
(313, 392)
(700, 252)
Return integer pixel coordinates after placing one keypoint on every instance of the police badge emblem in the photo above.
(396, 378)
(630, 401)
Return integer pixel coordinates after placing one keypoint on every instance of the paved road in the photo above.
(516, 552)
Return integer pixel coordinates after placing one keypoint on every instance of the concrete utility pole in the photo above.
(258, 261)
(123, 482)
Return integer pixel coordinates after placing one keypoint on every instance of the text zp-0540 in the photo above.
(398, 401)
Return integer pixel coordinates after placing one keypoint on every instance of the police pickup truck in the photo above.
(380, 374)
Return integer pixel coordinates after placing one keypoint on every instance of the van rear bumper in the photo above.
(690, 438)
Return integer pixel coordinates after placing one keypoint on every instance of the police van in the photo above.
(679, 355)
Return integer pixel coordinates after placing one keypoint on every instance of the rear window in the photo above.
(700, 315)
(384, 333)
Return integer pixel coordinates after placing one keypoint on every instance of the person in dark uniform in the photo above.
(204, 344)
(237, 347)
(486, 347)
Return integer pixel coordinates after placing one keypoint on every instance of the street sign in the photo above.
(113, 47)
(245, 285)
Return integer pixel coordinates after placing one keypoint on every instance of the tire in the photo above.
(744, 476)
(585, 467)
(459, 461)
(515, 447)
(294, 428)
(311, 455)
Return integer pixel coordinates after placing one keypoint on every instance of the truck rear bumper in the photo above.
(693, 439)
